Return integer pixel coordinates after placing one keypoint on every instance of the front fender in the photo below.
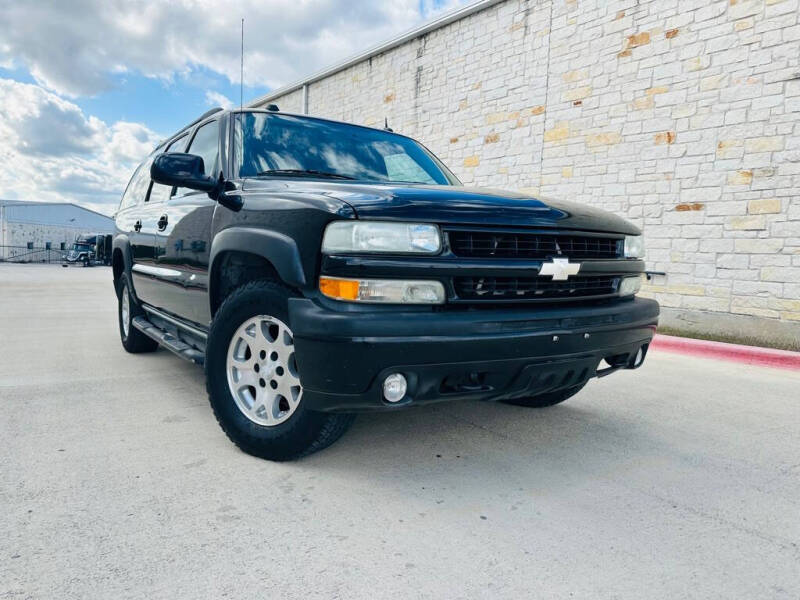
(280, 250)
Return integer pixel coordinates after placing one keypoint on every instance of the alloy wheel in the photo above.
(262, 372)
(125, 310)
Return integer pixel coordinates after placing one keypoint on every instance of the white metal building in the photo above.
(33, 225)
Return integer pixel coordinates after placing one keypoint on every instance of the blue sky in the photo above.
(161, 105)
(164, 105)
(87, 87)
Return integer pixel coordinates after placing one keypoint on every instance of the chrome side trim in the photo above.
(155, 271)
(172, 320)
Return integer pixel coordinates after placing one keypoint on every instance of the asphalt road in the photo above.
(679, 480)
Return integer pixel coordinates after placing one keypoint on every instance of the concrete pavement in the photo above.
(679, 480)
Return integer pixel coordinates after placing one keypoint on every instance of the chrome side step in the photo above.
(169, 341)
(172, 321)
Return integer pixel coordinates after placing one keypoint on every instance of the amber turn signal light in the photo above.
(340, 289)
(383, 291)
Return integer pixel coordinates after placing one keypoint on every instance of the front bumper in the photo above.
(483, 354)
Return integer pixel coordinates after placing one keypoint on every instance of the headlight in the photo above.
(377, 236)
(630, 285)
(634, 246)
(383, 291)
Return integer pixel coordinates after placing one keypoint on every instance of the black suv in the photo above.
(318, 269)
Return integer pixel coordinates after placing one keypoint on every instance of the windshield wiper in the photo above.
(303, 173)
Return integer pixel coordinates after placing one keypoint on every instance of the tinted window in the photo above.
(137, 188)
(206, 144)
(177, 145)
(268, 142)
(160, 193)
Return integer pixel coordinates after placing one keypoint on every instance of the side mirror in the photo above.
(179, 169)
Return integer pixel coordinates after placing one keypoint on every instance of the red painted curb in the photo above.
(753, 355)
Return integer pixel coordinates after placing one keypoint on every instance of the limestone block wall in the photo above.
(683, 116)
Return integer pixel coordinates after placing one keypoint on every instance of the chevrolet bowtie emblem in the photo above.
(560, 269)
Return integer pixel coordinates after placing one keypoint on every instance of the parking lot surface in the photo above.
(679, 480)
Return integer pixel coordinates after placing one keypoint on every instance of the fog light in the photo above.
(394, 387)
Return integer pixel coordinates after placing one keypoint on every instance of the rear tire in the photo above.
(133, 340)
(240, 351)
(547, 399)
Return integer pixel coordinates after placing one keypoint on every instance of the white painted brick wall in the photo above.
(683, 116)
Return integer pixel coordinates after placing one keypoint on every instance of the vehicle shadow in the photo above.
(475, 445)
(470, 447)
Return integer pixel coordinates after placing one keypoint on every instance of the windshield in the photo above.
(272, 145)
(81, 246)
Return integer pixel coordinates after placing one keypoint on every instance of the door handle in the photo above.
(162, 223)
(137, 226)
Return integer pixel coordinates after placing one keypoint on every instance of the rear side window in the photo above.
(137, 187)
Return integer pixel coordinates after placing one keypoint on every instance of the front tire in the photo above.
(253, 380)
(133, 340)
(547, 399)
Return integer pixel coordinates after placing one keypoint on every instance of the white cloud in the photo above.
(217, 99)
(73, 47)
(50, 150)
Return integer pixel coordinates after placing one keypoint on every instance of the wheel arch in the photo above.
(117, 264)
(120, 256)
(241, 254)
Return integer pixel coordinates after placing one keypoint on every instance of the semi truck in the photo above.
(90, 249)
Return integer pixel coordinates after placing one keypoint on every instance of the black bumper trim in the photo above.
(351, 352)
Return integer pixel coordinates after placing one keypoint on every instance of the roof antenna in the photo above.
(386, 125)
(241, 74)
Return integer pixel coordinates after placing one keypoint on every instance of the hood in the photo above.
(452, 205)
